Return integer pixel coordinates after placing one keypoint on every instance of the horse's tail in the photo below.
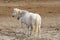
(36, 24)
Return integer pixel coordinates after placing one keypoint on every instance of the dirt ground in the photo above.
(49, 11)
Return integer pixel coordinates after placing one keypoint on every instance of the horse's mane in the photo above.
(25, 11)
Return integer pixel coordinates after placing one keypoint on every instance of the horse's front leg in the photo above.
(20, 21)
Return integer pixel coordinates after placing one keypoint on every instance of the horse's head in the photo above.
(15, 12)
(18, 13)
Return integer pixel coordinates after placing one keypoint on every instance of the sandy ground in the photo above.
(49, 11)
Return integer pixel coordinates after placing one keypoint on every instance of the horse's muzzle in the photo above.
(12, 16)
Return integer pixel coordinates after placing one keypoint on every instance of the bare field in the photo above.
(49, 11)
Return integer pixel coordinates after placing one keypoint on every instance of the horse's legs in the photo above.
(32, 29)
(20, 21)
(39, 29)
(29, 30)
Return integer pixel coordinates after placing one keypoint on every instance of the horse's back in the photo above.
(35, 15)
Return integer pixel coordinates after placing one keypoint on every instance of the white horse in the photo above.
(29, 18)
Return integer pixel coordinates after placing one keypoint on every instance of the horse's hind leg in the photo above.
(29, 30)
(33, 30)
(39, 29)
